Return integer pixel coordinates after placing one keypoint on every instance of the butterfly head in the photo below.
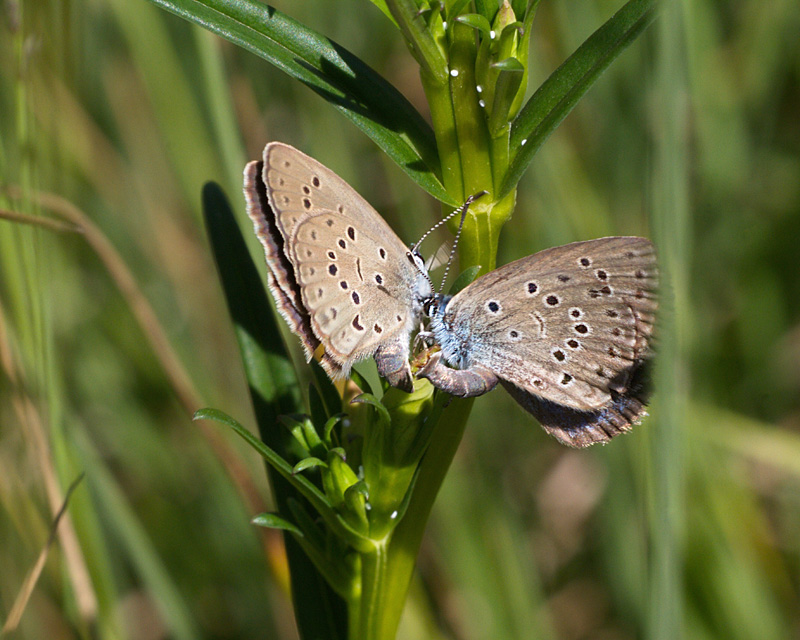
(436, 304)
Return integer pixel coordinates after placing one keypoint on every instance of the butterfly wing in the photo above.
(358, 287)
(342, 277)
(568, 324)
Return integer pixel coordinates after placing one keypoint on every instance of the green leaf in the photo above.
(361, 381)
(381, 4)
(566, 85)
(346, 82)
(454, 7)
(274, 521)
(476, 21)
(382, 412)
(464, 278)
(305, 487)
(509, 64)
(360, 488)
(505, 92)
(296, 424)
(308, 463)
(425, 49)
(329, 426)
(328, 392)
(329, 562)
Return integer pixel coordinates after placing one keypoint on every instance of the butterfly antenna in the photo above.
(434, 227)
(463, 209)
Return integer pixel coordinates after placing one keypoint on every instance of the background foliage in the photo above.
(125, 111)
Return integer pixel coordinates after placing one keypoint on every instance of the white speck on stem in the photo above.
(454, 73)
(368, 506)
(493, 34)
(444, 24)
(394, 515)
(479, 89)
(522, 144)
(481, 103)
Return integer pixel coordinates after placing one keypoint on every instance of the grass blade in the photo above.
(566, 85)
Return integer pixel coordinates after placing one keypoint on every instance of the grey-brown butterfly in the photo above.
(340, 276)
(566, 331)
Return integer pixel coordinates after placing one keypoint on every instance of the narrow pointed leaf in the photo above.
(464, 278)
(329, 427)
(487, 8)
(566, 85)
(415, 29)
(361, 381)
(308, 463)
(345, 81)
(368, 398)
(274, 521)
(476, 21)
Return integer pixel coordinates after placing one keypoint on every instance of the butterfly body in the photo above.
(339, 275)
(566, 331)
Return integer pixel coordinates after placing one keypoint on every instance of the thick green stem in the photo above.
(377, 614)
(444, 126)
(390, 574)
(473, 137)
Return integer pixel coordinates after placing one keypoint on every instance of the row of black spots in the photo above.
(493, 307)
(566, 380)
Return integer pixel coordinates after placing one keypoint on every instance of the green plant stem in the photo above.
(387, 577)
(444, 126)
(374, 624)
(473, 137)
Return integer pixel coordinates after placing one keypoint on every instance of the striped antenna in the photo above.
(463, 211)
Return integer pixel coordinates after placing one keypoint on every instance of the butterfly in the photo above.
(340, 277)
(566, 331)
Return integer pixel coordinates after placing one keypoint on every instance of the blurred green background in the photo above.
(119, 112)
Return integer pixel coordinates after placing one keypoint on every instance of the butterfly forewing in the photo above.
(566, 324)
(342, 277)
(358, 294)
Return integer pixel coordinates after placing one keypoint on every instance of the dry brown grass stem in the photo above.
(151, 327)
(29, 417)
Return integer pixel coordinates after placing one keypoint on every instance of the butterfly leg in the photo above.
(392, 361)
(464, 383)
